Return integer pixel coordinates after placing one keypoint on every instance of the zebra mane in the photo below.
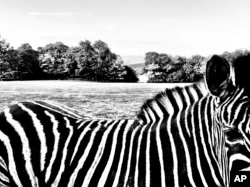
(166, 97)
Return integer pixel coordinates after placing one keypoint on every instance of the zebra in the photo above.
(184, 136)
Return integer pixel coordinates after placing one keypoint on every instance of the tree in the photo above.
(130, 75)
(150, 58)
(95, 62)
(5, 58)
(104, 55)
(71, 67)
(116, 70)
(198, 65)
(231, 56)
(160, 66)
(86, 57)
(24, 63)
(165, 68)
(105, 60)
(53, 59)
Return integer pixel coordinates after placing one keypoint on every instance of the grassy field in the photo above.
(105, 100)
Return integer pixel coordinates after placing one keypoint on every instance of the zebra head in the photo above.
(229, 83)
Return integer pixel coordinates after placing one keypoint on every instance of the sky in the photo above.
(130, 27)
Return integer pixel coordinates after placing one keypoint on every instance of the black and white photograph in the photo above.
(125, 93)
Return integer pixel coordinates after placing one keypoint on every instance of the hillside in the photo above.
(133, 59)
(137, 67)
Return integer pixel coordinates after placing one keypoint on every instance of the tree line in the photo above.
(166, 68)
(93, 62)
(96, 62)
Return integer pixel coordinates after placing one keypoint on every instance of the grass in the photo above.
(104, 100)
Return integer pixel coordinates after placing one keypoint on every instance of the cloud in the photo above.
(57, 14)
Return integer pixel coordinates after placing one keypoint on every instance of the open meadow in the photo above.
(103, 100)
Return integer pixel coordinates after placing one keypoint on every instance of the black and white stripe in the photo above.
(182, 137)
(57, 148)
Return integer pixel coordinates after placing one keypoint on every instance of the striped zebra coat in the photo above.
(189, 136)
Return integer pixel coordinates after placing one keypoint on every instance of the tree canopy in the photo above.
(166, 68)
(96, 62)
(87, 61)
(5, 57)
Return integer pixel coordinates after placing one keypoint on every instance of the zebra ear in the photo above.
(218, 76)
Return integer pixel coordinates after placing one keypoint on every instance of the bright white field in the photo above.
(104, 100)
